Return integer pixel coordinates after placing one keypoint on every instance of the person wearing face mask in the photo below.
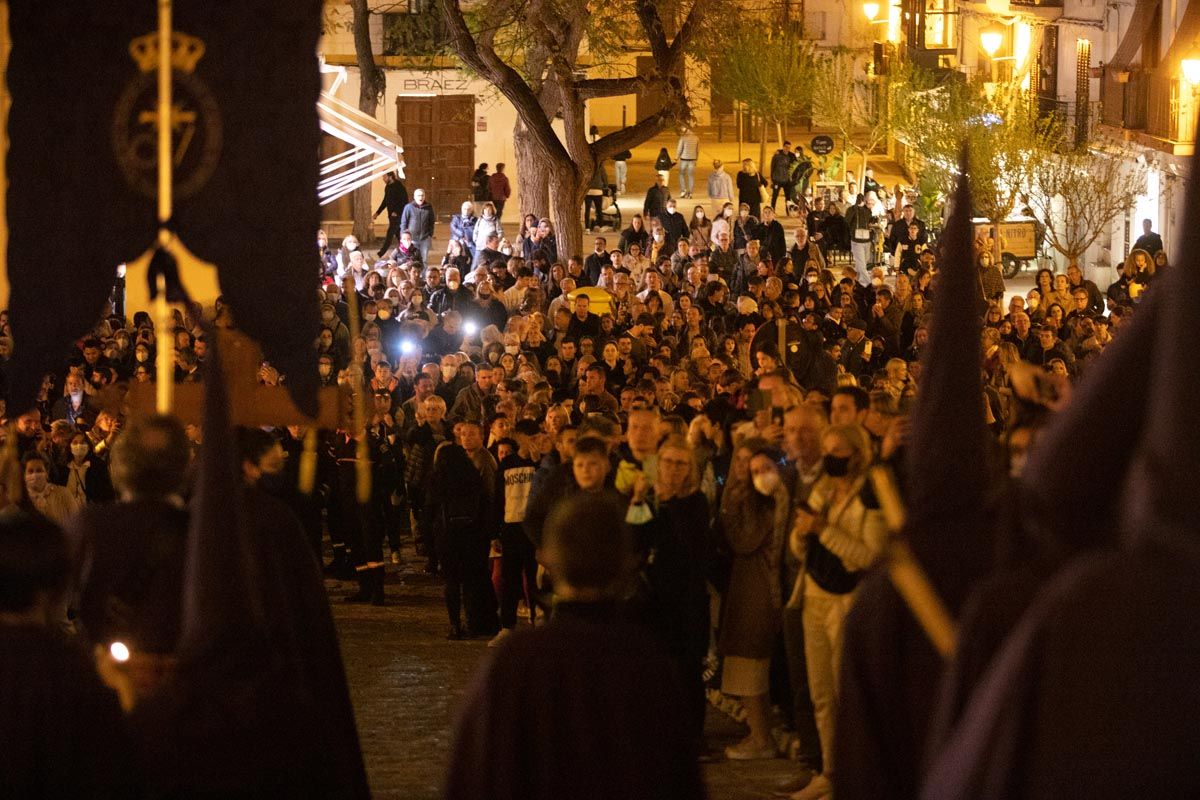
(326, 372)
(754, 518)
(838, 535)
(389, 327)
(674, 226)
(490, 310)
(453, 296)
(50, 500)
(84, 475)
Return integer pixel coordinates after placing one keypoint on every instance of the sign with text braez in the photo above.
(82, 134)
(822, 145)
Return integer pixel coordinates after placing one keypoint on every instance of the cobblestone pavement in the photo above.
(406, 680)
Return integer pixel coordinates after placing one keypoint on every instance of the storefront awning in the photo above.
(374, 150)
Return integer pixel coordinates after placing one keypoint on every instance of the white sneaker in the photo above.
(499, 638)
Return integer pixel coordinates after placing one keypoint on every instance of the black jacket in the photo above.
(418, 220)
(395, 198)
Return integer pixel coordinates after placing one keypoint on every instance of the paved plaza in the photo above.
(406, 680)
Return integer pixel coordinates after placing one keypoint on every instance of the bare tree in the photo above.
(1078, 194)
(767, 67)
(853, 103)
(372, 83)
(530, 52)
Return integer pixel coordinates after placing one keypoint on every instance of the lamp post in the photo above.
(1190, 67)
(871, 9)
(990, 39)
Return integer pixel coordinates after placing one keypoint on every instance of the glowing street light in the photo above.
(1190, 67)
(990, 39)
(871, 10)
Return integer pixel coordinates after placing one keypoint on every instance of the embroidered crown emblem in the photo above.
(186, 52)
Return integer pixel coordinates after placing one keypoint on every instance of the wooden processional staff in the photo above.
(250, 404)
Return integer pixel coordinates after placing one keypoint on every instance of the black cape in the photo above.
(586, 707)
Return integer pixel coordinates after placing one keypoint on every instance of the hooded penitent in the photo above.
(257, 706)
(82, 168)
(890, 670)
(1094, 694)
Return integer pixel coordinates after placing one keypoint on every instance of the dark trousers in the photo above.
(796, 696)
(787, 190)
(518, 573)
(464, 564)
(393, 233)
(593, 206)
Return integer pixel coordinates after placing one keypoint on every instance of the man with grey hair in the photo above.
(129, 581)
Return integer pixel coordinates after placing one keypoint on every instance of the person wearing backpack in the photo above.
(802, 169)
(479, 184)
(663, 164)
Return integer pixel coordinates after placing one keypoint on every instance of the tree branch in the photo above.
(485, 62)
(608, 87)
(612, 143)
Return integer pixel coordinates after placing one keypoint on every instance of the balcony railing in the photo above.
(1149, 100)
(1076, 123)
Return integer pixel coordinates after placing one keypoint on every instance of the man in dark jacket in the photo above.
(131, 555)
(674, 225)
(656, 198)
(418, 219)
(885, 320)
(395, 198)
(771, 237)
(781, 176)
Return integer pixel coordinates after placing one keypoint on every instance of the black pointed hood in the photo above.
(949, 451)
(1160, 503)
(1072, 482)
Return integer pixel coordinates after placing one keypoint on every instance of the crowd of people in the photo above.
(725, 391)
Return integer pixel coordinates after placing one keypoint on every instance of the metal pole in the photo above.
(164, 338)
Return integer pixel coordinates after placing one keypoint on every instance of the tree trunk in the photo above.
(762, 143)
(371, 83)
(567, 190)
(533, 174)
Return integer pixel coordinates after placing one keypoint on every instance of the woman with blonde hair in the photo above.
(754, 516)
(837, 536)
(677, 546)
(750, 185)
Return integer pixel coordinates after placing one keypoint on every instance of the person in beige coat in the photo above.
(838, 536)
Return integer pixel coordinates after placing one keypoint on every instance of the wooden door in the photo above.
(650, 96)
(439, 148)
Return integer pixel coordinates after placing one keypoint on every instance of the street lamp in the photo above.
(871, 10)
(990, 39)
(1191, 69)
